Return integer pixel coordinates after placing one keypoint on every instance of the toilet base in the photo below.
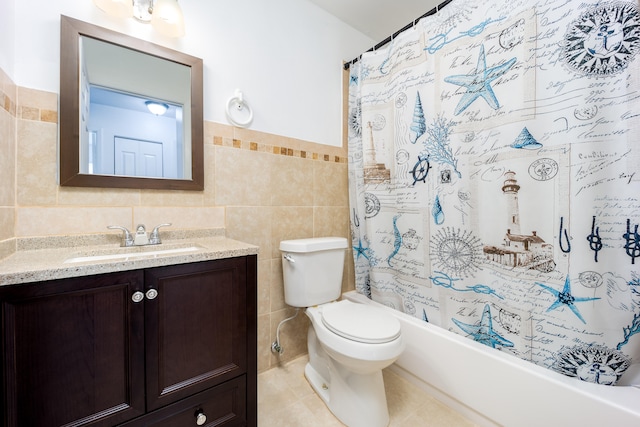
(356, 400)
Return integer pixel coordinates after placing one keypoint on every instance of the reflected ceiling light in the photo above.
(157, 108)
(164, 15)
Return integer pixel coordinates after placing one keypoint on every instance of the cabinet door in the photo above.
(72, 351)
(195, 329)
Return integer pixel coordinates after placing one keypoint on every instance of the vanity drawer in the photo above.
(223, 405)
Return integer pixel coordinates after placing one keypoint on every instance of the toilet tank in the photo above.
(312, 270)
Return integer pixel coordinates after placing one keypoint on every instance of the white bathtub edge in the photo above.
(486, 385)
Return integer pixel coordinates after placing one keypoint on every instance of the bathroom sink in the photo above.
(125, 254)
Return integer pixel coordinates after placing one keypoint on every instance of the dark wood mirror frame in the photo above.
(69, 126)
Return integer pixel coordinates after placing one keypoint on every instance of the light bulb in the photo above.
(167, 18)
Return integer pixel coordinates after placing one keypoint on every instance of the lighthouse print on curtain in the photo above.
(494, 167)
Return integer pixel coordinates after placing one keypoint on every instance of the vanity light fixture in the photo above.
(167, 18)
(157, 108)
(164, 15)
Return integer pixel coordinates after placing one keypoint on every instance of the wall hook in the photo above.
(237, 104)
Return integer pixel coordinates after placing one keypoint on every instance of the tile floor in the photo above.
(285, 399)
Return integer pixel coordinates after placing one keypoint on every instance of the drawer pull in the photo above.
(152, 293)
(201, 418)
(137, 296)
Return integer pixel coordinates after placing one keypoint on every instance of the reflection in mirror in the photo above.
(110, 133)
(122, 136)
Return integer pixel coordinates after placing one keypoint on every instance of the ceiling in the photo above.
(377, 19)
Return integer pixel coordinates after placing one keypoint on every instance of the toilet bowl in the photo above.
(349, 344)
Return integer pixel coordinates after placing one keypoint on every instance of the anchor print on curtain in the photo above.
(494, 167)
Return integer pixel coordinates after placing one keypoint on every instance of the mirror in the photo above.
(109, 137)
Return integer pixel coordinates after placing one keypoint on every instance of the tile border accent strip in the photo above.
(273, 149)
(38, 114)
(7, 103)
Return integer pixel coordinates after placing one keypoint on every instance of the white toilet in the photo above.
(349, 344)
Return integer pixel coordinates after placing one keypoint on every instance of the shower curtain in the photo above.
(494, 168)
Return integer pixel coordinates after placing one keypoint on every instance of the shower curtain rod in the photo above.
(391, 37)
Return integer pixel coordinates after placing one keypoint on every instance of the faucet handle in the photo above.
(154, 237)
(127, 237)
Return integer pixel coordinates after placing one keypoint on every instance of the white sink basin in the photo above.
(125, 254)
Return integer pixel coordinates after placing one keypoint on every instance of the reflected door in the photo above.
(134, 157)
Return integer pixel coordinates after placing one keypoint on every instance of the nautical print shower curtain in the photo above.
(494, 167)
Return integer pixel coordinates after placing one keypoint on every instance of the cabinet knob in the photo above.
(152, 293)
(137, 296)
(201, 418)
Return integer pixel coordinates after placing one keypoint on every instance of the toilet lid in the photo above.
(359, 322)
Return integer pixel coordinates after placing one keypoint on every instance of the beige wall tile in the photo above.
(179, 217)
(264, 287)
(291, 181)
(212, 129)
(348, 278)
(331, 221)
(36, 163)
(47, 221)
(171, 198)
(7, 86)
(276, 292)
(28, 113)
(49, 116)
(209, 193)
(9, 93)
(290, 222)
(7, 223)
(7, 159)
(89, 196)
(7, 247)
(264, 342)
(37, 99)
(242, 178)
(330, 184)
(251, 224)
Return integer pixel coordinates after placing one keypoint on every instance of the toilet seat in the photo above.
(359, 322)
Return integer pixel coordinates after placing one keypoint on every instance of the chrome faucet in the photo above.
(140, 238)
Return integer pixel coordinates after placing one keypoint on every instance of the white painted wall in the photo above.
(7, 36)
(285, 55)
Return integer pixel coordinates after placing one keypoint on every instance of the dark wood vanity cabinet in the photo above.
(164, 346)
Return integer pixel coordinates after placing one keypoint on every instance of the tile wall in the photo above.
(8, 96)
(262, 188)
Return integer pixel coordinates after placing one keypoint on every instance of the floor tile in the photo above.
(285, 399)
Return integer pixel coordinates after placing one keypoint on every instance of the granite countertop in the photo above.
(73, 256)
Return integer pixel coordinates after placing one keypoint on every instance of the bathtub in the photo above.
(492, 388)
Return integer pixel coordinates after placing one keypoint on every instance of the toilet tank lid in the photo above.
(313, 244)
